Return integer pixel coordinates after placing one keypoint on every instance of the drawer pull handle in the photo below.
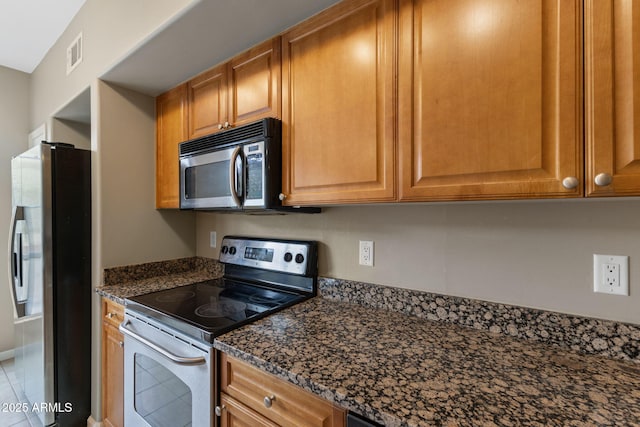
(268, 401)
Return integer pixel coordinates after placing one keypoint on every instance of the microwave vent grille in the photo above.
(260, 128)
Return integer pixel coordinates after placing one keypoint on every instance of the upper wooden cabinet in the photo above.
(207, 102)
(490, 99)
(243, 90)
(612, 102)
(171, 129)
(254, 79)
(338, 105)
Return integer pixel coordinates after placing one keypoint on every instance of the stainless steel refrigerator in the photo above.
(50, 281)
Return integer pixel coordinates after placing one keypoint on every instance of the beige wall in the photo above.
(14, 129)
(132, 231)
(111, 29)
(534, 254)
(70, 132)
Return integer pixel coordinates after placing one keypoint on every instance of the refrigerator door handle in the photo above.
(15, 262)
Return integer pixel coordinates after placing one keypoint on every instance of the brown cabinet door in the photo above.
(490, 99)
(112, 366)
(171, 129)
(254, 83)
(208, 102)
(235, 414)
(612, 90)
(338, 105)
(289, 406)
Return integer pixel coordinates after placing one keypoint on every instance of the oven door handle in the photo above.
(166, 353)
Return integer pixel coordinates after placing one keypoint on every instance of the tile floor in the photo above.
(11, 414)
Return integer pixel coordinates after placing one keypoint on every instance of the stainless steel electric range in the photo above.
(169, 359)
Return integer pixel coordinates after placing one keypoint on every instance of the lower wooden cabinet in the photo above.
(112, 365)
(251, 397)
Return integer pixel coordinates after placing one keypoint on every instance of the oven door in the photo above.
(212, 180)
(168, 381)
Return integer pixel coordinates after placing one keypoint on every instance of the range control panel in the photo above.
(286, 256)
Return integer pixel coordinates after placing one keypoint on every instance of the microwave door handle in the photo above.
(233, 177)
(15, 262)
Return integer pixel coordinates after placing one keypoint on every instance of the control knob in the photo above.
(299, 258)
(232, 250)
(224, 249)
(288, 257)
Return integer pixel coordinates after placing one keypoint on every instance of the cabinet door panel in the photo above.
(207, 102)
(612, 73)
(291, 405)
(171, 129)
(338, 91)
(112, 376)
(489, 99)
(255, 83)
(112, 365)
(236, 414)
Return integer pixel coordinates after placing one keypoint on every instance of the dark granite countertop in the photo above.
(401, 370)
(129, 281)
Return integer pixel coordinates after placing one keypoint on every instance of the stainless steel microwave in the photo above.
(238, 168)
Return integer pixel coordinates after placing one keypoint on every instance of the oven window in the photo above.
(208, 180)
(160, 397)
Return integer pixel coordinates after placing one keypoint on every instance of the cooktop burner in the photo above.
(221, 309)
(261, 277)
(176, 296)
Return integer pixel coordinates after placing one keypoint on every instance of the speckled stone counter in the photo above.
(128, 281)
(402, 370)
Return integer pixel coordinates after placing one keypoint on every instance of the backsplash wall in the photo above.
(536, 254)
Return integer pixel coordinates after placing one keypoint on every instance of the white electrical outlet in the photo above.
(366, 253)
(212, 239)
(611, 274)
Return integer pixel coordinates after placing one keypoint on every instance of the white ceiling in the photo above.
(28, 29)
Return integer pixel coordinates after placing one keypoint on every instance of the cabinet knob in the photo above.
(219, 410)
(603, 179)
(110, 315)
(282, 196)
(570, 182)
(220, 126)
(227, 125)
(121, 344)
(268, 401)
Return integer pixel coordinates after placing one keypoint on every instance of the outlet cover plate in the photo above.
(611, 274)
(366, 253)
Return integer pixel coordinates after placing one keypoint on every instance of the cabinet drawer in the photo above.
(290, 405)
(235, 413)
(112, 312)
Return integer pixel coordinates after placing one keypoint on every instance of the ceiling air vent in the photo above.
(74, 54)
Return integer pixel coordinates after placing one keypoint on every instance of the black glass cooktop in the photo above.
(208, 309)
